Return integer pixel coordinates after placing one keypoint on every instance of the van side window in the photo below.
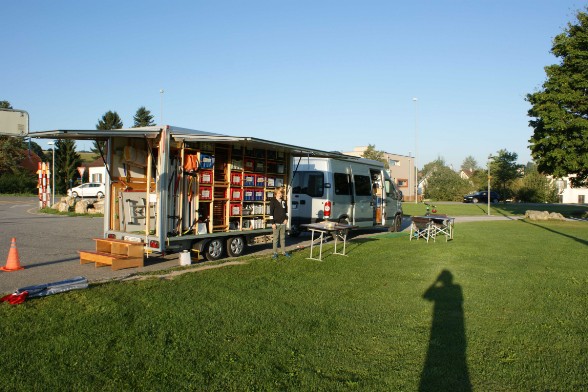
(363, 185)
(309, 183)
(341, 184)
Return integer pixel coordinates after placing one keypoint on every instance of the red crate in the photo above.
(206, 177)
(236, 178)
(235, 209)
(236, 194)
(205, 193)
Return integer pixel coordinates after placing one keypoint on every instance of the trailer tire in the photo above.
(236, 246)
(214, 249)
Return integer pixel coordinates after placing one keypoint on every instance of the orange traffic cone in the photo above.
(13, 261)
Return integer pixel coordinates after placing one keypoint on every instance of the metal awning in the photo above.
(189, 135)
(261, 143)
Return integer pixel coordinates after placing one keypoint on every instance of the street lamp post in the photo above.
(52, 144)
(416, 149)
(489, 197)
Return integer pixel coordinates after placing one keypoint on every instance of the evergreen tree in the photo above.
(559, 111)
(67, 161)
(469, 163)
(143, 118)
(110, 120)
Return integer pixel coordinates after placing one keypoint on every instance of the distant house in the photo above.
(466, 174)
(97, 171)
(570, 195)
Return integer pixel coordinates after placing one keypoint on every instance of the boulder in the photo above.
(543, 215)
(82, 207)
(62, 206)
(98, 207)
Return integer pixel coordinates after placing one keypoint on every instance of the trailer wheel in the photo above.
(235, 246)
(214, 249)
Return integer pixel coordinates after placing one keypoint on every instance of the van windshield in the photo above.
(311, 183)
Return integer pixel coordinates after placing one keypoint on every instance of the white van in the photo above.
(347, 189)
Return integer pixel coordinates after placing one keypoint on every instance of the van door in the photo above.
(364, 211)
(377, 196)
(307, 186)
(392, 204)
(342, 197)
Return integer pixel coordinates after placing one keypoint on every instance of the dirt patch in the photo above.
(172, 274)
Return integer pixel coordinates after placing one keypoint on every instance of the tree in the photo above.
(559, 111)
(504, 170)
(143, 118)
(371, 153)
(67, 161)
(443, 183)
(534, 187)
(110, 120)
(469, 163)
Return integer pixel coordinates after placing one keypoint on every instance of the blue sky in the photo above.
(330, 75)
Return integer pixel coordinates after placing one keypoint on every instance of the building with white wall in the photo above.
(569, 194)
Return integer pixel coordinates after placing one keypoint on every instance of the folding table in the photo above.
(339, 231)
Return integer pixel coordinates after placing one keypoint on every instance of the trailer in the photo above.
(172, 189)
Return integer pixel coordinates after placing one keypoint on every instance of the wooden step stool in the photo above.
(118, 254)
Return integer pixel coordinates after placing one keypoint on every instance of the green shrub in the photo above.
(18, 183)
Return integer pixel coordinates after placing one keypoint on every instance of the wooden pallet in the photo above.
(118, 254)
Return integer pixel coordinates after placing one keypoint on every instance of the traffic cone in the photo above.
(13, 261)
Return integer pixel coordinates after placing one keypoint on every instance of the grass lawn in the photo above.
(463, 209)
(502, 307)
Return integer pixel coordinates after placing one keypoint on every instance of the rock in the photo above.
(543, 215)
(62, 206)
(98, 207)
(82, 207)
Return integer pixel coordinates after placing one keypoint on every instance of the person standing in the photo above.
(279, 219)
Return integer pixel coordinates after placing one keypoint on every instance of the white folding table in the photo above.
(339, 232)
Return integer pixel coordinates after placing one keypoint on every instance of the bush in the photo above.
(18, 183)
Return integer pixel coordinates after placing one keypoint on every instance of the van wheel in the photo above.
(214, 249)
(397, 224)
(235, 246)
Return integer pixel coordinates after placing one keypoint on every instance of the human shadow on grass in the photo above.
(580, 240)
(445, 367)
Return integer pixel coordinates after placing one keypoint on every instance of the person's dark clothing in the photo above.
(278, 211)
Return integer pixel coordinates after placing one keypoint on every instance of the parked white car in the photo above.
(91, 189)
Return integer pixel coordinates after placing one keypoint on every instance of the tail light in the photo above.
(327, 209)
